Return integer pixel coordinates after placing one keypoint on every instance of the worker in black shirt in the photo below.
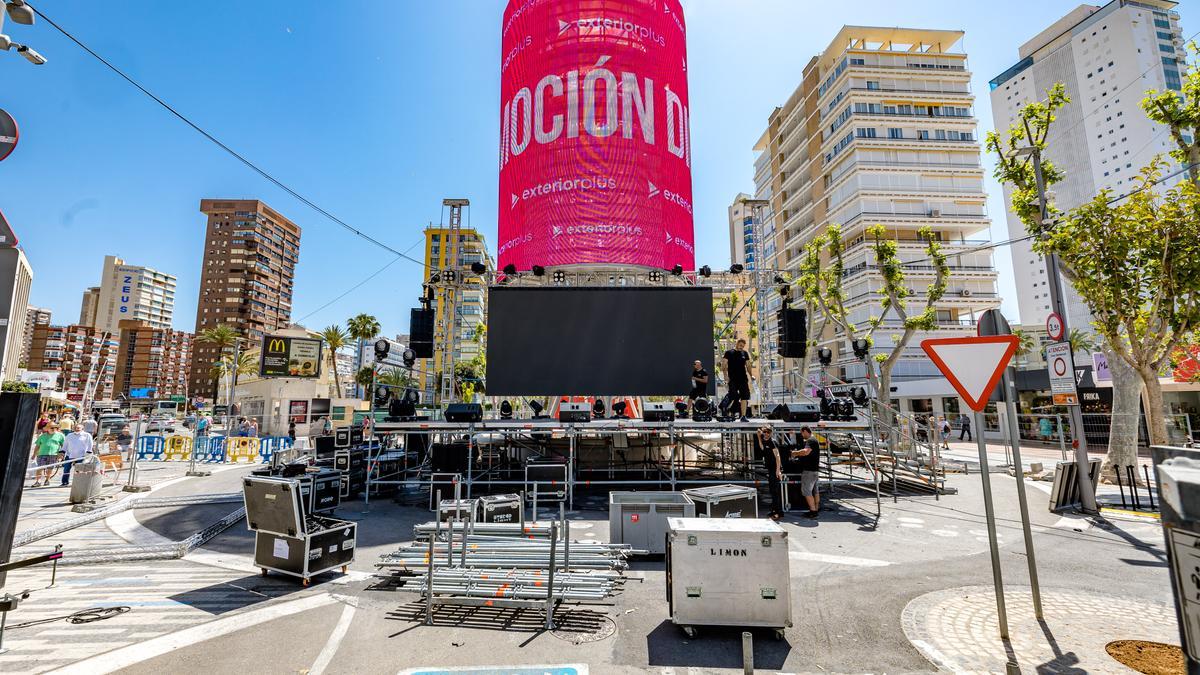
(737, 375)
(807, 459)
(699, 383)
(768, 450)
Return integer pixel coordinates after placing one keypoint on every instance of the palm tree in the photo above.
(247, 364)
(394, 377)
(336, 339)
(1082, 342)
(1025, 343)
(362, 327)
(222, 336)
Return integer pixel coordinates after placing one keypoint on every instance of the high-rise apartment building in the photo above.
(33, 317)
(250, 256)
(442, 253)
(741, 232)
(879, 132)
(16, 277)
(153, 359)
(1107, 58)
(89, 308)
(84, 356)
(128, 292)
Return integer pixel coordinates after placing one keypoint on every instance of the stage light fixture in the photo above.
(598, 408)
(382, 347)
(737, 268)
(409, 357)
(681, 409)
(478, 268)
(705, 271)
(785, 291)
(450, 276)
(861, 347)
(560, 277)
(435, 279)
(825, 356)
(702, 410)
(677, 270)
(655, 276)
(539, 271)
(619, 410)
(859, 395)
(779, 279)
(537, 408)
(510, 270)
(506, 410)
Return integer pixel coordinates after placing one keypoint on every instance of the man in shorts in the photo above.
(808, 462)
(48, 445)
(736, 363)
(699, 384)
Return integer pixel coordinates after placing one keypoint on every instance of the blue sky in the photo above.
(375, 110)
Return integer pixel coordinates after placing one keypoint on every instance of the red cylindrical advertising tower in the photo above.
(595, 151)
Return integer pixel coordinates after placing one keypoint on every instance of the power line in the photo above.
(361, 283)
(233, 153)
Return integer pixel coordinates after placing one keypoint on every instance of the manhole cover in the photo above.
(583, 626)
(1152, 658)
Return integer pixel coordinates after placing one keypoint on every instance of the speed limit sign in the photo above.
(1054, 326)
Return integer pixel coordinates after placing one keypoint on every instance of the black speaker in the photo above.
(18, 416)
(793, 332)
(464, 412)
(796, 412)
(449, 457)
(420, 329)
(401, 407)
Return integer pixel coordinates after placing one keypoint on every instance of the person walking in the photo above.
(946, 431)
(48, 446)
(77, 444)
(808, 461)
(125, 442)
(90, 425)
(252, 428)
(767, 450)
(965, 420)
(326, 426)
(735, 363)
(202, 426)
(292, 430)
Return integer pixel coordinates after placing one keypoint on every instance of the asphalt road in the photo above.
(852, 575)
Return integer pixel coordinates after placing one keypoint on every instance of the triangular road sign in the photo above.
(972, 364)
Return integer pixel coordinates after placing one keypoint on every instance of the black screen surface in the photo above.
(605, 341)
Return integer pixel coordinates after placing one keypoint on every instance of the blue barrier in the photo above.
(269, 445)
(210, 449)
(151, 447)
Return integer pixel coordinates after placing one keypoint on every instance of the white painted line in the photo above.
(335, 640)
(228, 561)
(837, 559)
(127, 527)
(136, 653)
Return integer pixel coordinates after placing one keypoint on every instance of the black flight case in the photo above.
(288, 538)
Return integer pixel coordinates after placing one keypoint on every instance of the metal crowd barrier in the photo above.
(211, 449)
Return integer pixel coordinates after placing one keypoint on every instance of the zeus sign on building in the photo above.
(595, 152)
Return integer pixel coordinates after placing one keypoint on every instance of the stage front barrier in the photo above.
(151, 447)
(242, 450)
(177, 449)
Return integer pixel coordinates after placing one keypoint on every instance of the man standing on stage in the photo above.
(808, 461)
(735, 363)
(699, 384)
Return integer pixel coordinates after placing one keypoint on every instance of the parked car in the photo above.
(110, 423)
(161, 425)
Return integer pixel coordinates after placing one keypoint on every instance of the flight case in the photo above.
(289, 540)
(724, 501)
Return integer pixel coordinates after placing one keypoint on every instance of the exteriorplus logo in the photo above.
(564, 185)
(619, 230)
(603, 26)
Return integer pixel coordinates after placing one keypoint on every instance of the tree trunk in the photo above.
(884, 413)
(1127, 400)
(1156, 420)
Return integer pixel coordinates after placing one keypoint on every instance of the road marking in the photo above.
(564, 669)
(127, 656)
(335, 640)
(837, 559)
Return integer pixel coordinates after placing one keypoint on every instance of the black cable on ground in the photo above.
(89, 615)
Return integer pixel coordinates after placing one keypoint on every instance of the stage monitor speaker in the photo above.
(420, 328)
(659, 412)
(793, 332)
(449, 457)
(796, 412)
(18, 417)
(574, 413)
(464, 412)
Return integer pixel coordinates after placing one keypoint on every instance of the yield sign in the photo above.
(972, 364)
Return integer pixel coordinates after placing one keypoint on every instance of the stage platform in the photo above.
(612, 425)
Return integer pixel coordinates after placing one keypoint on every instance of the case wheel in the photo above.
(345, 569)
(689, 631)
(779, 633)
(304, 581)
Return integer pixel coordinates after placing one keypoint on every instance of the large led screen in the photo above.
(595, 151)
(563, 341)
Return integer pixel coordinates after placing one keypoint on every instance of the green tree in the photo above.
(247, 364)
(18, 386)
(394, 377)
(224, 337)
(335, 338)
(361, 328)
(1180, 113)
(895, 296)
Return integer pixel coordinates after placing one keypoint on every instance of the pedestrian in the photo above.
(48, 447)
(90, 425)
(946, 431)
(326, 426)
(77, 444)
(125, 442)
(809, 463)
(42, 422)
(1045, 429)
(965, 421)
(292, 430)
(243, 427)
(252, 428)
(767, 450)
(201, 426)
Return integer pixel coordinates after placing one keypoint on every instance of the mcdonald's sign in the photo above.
(290, 357)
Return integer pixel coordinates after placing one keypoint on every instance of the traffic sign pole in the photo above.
(990, 514)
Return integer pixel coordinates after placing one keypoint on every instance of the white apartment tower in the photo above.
(132, 292)
(880, 131)
(1107, 58)
(741, 232)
